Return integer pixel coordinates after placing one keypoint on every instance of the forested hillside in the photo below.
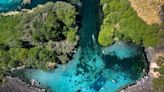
(39, 38)
(121, 22)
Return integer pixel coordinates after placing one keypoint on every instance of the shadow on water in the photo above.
(90, 23)
(127, 65)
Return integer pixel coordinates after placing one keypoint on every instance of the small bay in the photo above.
(93, 68)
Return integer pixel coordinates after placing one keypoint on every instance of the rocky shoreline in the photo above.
(13, 83)
(17, 85)
(145, 84)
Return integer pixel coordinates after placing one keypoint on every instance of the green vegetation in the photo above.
(105, 39)
(122, 23)
(29, 39)
(71, 35)
(158, 82)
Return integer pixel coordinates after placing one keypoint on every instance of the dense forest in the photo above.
(121, 22)
(35, 38)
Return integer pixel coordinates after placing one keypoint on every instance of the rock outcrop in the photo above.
(26, 2)
(16, 85)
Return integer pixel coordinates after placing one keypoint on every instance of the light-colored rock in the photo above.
(51, 64)
(26, 1)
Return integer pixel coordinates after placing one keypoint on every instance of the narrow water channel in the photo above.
(93, 68)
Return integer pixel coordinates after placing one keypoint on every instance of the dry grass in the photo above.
(148, 10)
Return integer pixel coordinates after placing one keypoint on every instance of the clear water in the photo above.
(90, 72)
(9, 5)
(6, 5)
(10, 1)
(93, 69)
(122, 50)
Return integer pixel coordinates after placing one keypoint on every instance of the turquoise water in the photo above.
(93, 68)
(9, 5)
(6, 5)
(122, 50)
(3, 2)
(90, 72)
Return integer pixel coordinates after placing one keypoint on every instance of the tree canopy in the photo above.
(29, 38)
(120, 20)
